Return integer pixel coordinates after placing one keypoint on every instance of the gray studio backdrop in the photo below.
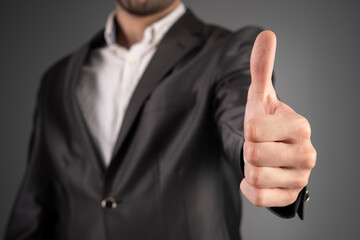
(317, 68)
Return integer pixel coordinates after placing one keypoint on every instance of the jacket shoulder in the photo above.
(244, 34)
(243, 37)
(236, 49)
(56, 71)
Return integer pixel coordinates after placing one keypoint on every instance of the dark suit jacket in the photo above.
(177, 163)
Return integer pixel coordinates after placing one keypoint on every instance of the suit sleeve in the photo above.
(33, 216)
(231, 89)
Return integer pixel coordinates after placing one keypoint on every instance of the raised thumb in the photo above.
(262, 64)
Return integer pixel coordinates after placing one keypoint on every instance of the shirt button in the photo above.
(157, 42)
(109, 203)
(132, 62)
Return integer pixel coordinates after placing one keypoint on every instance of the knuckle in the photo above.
(250, 129)
(252, 175)
(310, 159)
(251, 153)
(304, 129)
(306, 156)
(258, 199)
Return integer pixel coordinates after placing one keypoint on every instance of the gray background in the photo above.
(317, 74)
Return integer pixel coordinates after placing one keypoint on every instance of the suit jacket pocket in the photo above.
(175, 102)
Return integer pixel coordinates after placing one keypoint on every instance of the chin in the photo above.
(144, 7)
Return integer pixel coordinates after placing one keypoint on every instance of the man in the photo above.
(140, 133)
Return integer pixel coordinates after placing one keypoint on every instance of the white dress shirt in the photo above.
(110, 76)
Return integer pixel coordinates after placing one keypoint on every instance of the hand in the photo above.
(278, 151)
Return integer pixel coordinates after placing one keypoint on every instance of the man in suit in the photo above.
(140, 133)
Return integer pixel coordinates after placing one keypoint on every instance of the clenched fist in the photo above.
(278, 151)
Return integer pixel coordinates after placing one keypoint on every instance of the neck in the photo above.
(130, 28)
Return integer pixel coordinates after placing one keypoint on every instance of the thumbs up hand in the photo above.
(278, 151)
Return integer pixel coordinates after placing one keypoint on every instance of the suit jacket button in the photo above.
(109, 203)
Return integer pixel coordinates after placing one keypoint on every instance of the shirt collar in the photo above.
(153, 33)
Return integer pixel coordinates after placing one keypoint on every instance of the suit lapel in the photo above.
(80, 130)
(184, 36)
